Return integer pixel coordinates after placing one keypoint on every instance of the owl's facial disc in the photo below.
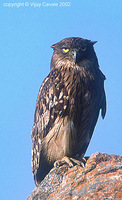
(70, 53)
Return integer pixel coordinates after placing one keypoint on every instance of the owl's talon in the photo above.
(58, 163)
(70, 162)
(81, 162)
(64, 160)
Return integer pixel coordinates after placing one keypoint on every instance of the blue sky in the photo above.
(26, 34)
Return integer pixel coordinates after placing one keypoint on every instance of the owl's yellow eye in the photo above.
(83, 49)
(65, 50)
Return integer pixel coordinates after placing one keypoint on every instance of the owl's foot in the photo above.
(70, 162)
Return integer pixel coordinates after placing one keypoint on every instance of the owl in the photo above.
(67, 108)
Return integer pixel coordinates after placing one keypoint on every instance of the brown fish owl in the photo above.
(67, 107)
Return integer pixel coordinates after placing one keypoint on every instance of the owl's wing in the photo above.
(52, 101)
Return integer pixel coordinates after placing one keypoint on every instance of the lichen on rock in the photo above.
(101, 178)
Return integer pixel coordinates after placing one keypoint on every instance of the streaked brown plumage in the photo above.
(67, 106)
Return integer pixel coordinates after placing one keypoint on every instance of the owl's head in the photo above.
(72, 51)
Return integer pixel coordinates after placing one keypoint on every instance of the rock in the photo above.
(100, 179)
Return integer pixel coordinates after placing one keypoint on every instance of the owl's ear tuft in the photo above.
(53, 46)
(93, 42)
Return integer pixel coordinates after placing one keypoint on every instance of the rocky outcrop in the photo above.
(100, 179)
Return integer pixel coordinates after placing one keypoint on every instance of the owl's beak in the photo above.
(74, 53)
